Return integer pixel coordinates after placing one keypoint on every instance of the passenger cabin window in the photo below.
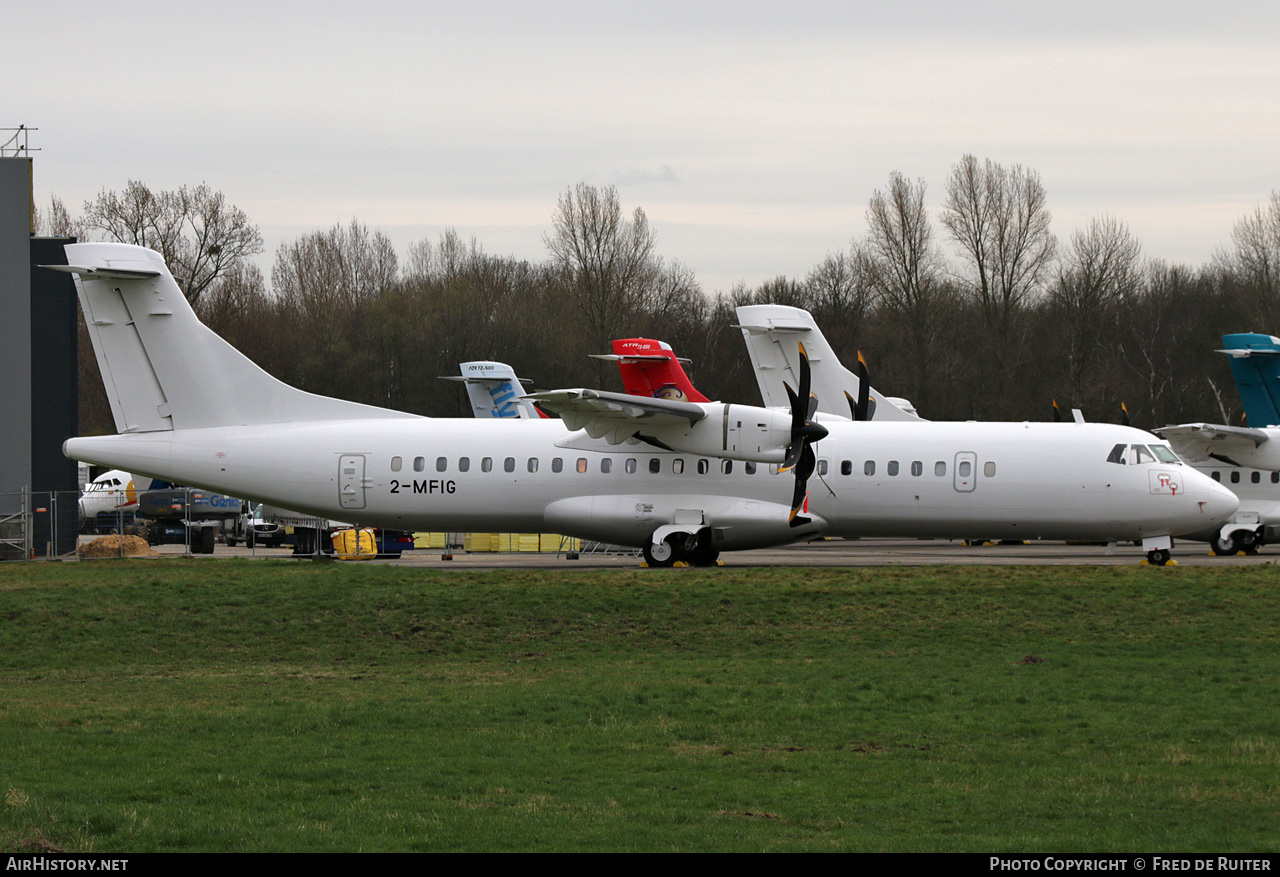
(1275, 477)
(509, 464)
(1255, 477)
(533, 464)
(750, 468)
(822, 467)
(464, 464)
(582, 465)
(655, 465)
(486, 465)
(917, 468)
(677, 465)
(704, 467)
(726, 467)
(1215, 475)
(1235, 476)
(630, 466)
(966, 468)
(442, 463)
(396, 463)
(940, 469)
(893, 467)
(989, 469)
(606, 465)
(846, 467)
(869, 467)
(419, 463)
(557, 464)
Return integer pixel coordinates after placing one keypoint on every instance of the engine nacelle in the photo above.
(735, 432)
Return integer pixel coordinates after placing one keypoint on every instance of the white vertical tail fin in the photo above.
(771, 333)
(162, 367)
(494, 390)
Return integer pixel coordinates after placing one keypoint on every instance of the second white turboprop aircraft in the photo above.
(192, 409)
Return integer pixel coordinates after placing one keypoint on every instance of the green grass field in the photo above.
(240, 705)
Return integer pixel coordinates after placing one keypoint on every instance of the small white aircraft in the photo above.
(192, 409)
(494, 390)
(111, 498)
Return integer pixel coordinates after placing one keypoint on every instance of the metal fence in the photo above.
(36, 525)
(39, 523)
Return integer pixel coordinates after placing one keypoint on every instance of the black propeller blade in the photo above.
(1124, 414)
(1057, 415)
(863, 408)
(804, 432)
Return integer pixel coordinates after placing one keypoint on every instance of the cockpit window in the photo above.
(1164, 455)
(1141, 454)
(1117, 455)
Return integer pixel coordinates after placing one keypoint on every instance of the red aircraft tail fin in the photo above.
(651, 368)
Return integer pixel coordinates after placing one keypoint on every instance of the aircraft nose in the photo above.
(1219, 503)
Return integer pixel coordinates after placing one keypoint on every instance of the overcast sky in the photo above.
(752, 134)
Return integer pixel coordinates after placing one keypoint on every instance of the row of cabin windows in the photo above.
(1255, 477)
(917, 468)
(631, 466)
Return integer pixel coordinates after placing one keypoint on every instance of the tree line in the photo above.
(979, 312)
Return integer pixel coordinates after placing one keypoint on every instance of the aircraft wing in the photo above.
(1197, 442)
(616, 417)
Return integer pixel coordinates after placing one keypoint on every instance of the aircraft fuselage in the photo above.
(946, 480)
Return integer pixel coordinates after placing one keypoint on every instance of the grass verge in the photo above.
(255, 705)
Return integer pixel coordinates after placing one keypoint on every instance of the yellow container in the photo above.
(474, 542)
(354, 545)
(430, 540)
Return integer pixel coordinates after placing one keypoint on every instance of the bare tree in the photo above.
(608, 263)
(998, 219)
(906, 270)
(1101, 269)
(324, 283)
(57, 222)
(343, 266)
(841, 294)
(200, 235)
(1256, 260)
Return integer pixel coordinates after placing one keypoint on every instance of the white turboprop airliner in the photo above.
(192, 409)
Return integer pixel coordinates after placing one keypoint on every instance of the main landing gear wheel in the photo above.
(663, 554)
(1235, 542)
(1159, 557)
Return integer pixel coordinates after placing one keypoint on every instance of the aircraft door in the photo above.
(966, 478)
(351, 482)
